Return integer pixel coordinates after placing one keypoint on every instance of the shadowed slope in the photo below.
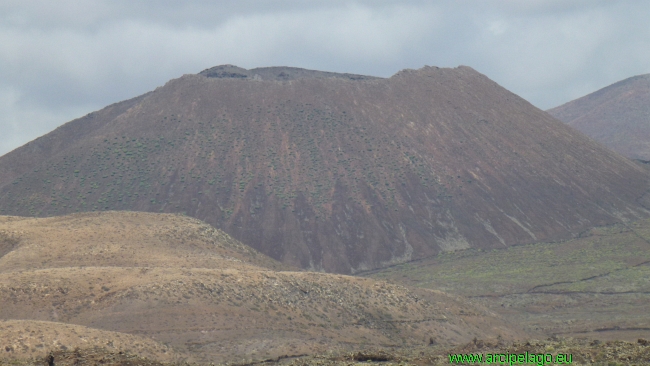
(618, 116)
(331, 172)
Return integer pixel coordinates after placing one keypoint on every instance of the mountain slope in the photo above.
(182, 283)
(618, 116)
(332, 172)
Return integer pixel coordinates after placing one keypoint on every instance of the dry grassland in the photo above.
(596, 286)
(190, 287)
(26, 339)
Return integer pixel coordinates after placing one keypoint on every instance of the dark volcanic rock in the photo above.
(276, 73)
(618, 116)
(332, 171)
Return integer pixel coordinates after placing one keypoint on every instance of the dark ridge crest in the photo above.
(279, 73)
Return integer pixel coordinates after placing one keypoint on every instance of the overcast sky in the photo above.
(62, 59)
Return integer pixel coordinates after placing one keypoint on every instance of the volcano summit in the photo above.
(334, 172)
(617, 116)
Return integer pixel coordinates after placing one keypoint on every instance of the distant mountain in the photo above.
(618, 116)
(334, 172)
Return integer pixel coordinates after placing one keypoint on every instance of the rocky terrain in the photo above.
(581, 351)
(333, 172)
(618, 116)
(29, 339)
(172, 288)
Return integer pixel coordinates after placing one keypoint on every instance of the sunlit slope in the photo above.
(25, 339)
(177, 281)
(332, 172)
(122, 239)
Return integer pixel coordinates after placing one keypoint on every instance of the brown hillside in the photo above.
(332, 172)
(122, 239)
(185, 285)
(618, 116)
(22, 339)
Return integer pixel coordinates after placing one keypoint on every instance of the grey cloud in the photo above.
(60, 60)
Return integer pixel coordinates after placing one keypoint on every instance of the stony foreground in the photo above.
(583, 351)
